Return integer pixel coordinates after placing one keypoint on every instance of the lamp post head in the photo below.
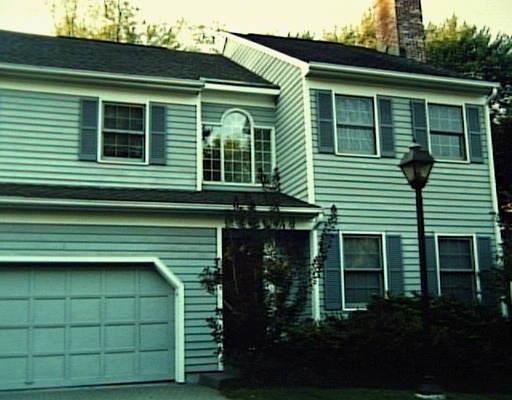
(416, 165)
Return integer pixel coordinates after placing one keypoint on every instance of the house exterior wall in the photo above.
(173, 245)
(290, 112)
(372, 195)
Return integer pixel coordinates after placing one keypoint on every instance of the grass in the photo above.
(342, 394)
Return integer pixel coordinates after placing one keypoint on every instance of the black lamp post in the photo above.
(416, 165)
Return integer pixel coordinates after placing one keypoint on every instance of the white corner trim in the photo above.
(304, 66)
(310, 173)
(405, 76)
(313, 252)
(173, 83)
(492, 178)
(163, 270)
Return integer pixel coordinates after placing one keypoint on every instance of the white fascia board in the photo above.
(304, 66)
(404, 77)
(228, 87)
(44, 202)
(96, 76)
(163, 270)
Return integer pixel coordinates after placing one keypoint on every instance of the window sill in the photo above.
(121, 162)
(232, 186)
(451, 161)
(373, 156)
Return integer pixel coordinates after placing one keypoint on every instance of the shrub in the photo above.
(385, 345)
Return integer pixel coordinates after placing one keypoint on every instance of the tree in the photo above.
(363, 34)
(119, 21)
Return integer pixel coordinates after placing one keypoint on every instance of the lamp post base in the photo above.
(430, 390)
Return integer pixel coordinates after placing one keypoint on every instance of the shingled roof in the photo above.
(162, 196)
(340, 54)
(111, 57)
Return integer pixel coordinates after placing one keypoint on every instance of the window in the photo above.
(123, 132)
(355, 126)
(456, 267)
(363, 269)
(235, 151)
(446, 132)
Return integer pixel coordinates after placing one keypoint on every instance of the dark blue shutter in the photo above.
(419, 122)
(474, 115)
(486, 264)
(387, 140)
(395, 265)
(332, 274)
(158, 134)
(325, 121)
(430, 250)
(88, 129)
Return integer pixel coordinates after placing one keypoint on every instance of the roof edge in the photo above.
(98, 76)
(335, 70)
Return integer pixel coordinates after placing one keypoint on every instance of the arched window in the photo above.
(235, 151)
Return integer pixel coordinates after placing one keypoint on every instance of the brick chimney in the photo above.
(399, 26)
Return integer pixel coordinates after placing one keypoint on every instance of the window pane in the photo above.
(445, 118)
(448, 146)
(211, 153)
(122, 117)
(455, 253)
(356, 140)
(236, 136)
(460, 285)
(354, 111)
(362, 252)
(263, 153)
(360, 287)
(121, 145)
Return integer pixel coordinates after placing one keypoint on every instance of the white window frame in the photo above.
(382, 235)
(254, 181)
(111, 160)
(467, 160)
(376, 123)
(476, 267)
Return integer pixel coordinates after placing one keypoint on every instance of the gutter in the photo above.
(318, 69)
(131, 205)
(102, 77)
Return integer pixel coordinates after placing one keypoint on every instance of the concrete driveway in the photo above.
(171, 391)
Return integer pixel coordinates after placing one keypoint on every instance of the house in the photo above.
(118, 163)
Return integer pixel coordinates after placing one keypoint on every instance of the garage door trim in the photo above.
(163, 270)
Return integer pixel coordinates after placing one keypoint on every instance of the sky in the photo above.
(266, 16)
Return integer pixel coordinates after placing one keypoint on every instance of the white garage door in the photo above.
(68, 325)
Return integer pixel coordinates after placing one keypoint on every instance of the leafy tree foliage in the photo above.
(363, 34)
(119, 21)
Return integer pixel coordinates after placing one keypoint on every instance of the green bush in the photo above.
(385, 345)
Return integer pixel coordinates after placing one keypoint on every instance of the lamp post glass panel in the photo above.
(416, 165)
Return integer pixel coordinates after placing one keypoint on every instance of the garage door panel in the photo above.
(15, 283)
(120, 281)
(85, 310)
(154, 336)
(47, 281)
(120, 338)
(120, 309)
(48, 340)
(49, 311)
(85, 325)
(154, 362)
(119, 365)
(48, 368)
(14, 312)
(85, 366)
(154, 308)
(85, 281)
(13, 342)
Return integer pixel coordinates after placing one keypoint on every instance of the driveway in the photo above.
(171, 391)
